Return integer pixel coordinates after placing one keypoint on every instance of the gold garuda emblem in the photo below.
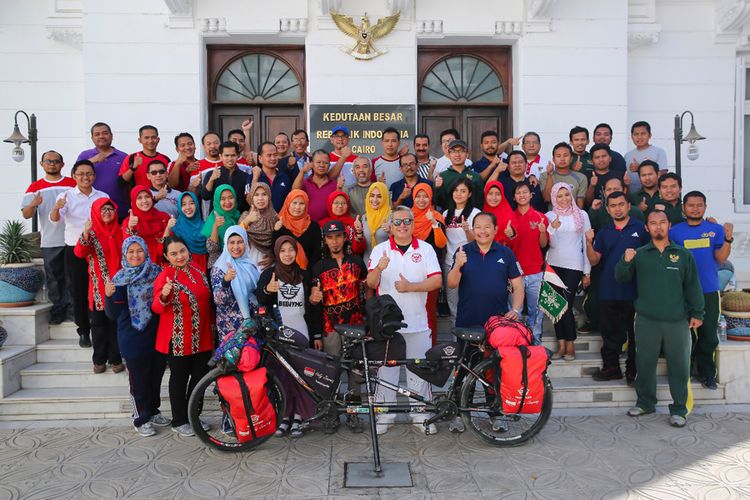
(365, 34)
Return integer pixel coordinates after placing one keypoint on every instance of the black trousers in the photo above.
(78, 278)
(57, 283)
(616, 324)
(104, 339)
(144, 375)
(565, 329)
(185, 372)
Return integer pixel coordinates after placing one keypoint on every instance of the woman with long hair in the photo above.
(100, 245)
(295, 221)
(223, 216)
(496, 203)
(338, 209)
(128, 303)
(286, 285)
(377, 219)
(458, 229)
(567, 255)
(182, 300)
(188, 227)
(429, 226)
(259, 222)
(146, 221)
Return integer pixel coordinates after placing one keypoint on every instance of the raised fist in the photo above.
(629, 254)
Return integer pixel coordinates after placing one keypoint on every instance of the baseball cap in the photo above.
(333, 227)
(457, 142)
(340, 128)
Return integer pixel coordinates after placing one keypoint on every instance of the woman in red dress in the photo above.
(146, 221)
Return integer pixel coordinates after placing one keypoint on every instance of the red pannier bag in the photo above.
(245, 398)
(521, 377)
(504, 332)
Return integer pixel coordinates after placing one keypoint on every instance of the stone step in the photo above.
(65, 330)
(69, 374)
(62, 351)
(586, 364)
(576, 392)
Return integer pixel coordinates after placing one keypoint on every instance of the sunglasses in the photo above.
(158, 172)
(405, 222)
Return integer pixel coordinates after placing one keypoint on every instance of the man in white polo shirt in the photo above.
(406, 269)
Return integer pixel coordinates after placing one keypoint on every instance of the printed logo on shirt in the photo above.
(289, 291)
(674, 258)
(698, 243)
(500, 260)
(635, 235)
(416, 258)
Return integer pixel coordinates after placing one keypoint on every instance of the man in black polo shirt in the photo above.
(401, 190)
(269, 173)
(645, 197)
(227, 173)
(616, 310)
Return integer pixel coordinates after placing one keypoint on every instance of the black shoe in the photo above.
(84, 340)
(586, 328)
(709, 383)
(56, 319)
(354, 424)
(606, 375)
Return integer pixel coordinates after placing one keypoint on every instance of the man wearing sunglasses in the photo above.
(406, 269)
(167, 199)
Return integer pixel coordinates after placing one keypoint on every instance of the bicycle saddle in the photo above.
(354, 332)
(473, 334)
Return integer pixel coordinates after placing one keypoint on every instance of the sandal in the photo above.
(297, 429)
(283, 428)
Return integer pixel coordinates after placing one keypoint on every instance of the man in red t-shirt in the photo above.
(186, 162)
(530, 237)
(135, 166)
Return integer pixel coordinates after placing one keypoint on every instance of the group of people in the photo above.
(160, 260)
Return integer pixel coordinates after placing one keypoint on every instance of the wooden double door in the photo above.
(267, 120)
(470, 122)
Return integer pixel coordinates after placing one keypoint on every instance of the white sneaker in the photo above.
(184, 430)
(457, 425)
(429, 430)
(381, 429)
(499, 424)
(145, 429)
(160, 420)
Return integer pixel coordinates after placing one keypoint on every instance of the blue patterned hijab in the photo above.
(139, 281)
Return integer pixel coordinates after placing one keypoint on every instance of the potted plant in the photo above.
(20, 279)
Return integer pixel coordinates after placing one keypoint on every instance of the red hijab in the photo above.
(503, 212)
(107, 234)
(347, 219)
(152, 222)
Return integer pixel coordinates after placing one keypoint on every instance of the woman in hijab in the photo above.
(294, 221)
(496, 203)
(188, 227)
(128, 303)
(146, 221)
(429, 226)
(259, 222)
(287, 285)
(234, 277)
(338, 209)
(100, 245)
(375, 223)
(567, 256)
(223, 216)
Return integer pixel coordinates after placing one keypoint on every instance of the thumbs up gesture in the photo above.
(253, 216)
(230, 274)
(171, 222)
(461, 258)
(402, 285)
(358, 225)
(161, 194)
(308, 166)
(340, 182)
(316, 296)
(109, 288)
(346, 152)
(37, 200)
(383, 262)
(433, 164)
(634, 166)
(542, 227)
(465, 224)
(292, 161)
(195, 181)
(430, 216)
(381, 177)
(643, 206)
(550, 168)
(626, 179)
(278, 225)
(61, 201)
(215, 174)
(509, 232)
(594, 179)
(166, 290)
(406, 193)
(137, 161)
(273, 285)
(556, 223)
(132, 220)
(218, 220)
(87, 227)
(577, 166)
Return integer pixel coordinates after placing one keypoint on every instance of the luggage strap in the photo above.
(524, 375)
(246, 400)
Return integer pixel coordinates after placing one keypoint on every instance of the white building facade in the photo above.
(557, 63)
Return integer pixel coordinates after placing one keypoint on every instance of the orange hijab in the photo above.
(296, 225)
(423, 225)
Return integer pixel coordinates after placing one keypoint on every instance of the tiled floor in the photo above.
(574, 457)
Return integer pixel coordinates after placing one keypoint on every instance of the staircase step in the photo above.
(69, 374)
(576, 392)
(62, 350)
(586, 363)
(65, 330)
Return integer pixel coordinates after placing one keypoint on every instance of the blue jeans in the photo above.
(532, 284)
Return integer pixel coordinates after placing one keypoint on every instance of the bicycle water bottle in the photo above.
(722, 330)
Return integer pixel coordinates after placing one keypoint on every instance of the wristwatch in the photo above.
(730, 240)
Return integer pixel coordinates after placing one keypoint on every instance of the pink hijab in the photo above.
(571, 210)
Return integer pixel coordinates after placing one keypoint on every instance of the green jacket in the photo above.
(667, 283)
(450, 176)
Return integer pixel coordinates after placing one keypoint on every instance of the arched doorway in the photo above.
(263, 84)
(466, 88)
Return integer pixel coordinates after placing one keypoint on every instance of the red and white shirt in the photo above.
(418, 263)
(53, 235)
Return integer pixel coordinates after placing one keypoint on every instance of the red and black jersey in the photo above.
(139, 175)
(343, 290)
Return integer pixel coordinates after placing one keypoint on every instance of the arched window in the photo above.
(462, 79)
(258, 78)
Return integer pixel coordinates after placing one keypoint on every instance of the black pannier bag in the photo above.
(320, 370)
(291, 336)
(437, 369)
(384, 317)
(377, 350)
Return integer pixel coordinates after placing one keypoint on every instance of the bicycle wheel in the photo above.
(497, 428)
(204, 406)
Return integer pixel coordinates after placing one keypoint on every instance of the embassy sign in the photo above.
(365, 122)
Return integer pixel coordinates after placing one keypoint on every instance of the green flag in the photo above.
(552, 303)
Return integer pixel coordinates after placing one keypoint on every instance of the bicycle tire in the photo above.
(229, 443)
(476, 424)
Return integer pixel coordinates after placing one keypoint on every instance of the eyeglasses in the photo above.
(339, 203)
(84, 174)
(409, 164)
(405, 222)
(158, 172)
(52, 162)
(107, 209)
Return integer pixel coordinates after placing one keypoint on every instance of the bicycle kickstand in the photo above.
(371, 409)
